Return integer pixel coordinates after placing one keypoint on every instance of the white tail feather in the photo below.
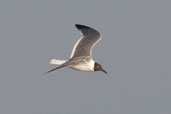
(57, 62)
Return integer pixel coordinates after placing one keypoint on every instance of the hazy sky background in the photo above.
(135, 50)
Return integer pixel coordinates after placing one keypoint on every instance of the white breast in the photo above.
(84, 66)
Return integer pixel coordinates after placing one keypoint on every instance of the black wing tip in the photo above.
(78, 26)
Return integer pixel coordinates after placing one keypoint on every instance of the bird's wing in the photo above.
(69, 62)
(89, 37)
(58, 67)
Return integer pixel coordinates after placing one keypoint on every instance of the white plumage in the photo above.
(57, 62)
(81, 57)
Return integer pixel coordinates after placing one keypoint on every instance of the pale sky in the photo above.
(135, 50)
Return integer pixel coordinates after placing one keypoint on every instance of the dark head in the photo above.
(98, 67)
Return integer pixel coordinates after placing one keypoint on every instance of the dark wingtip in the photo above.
(78, 26)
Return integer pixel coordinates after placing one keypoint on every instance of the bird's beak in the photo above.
(104, 71)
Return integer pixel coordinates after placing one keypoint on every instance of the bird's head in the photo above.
(98, 67)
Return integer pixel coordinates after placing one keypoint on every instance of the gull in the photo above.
(81, 56)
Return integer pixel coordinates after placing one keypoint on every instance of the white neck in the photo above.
(92, 63)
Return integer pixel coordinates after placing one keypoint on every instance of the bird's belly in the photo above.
(82, 67)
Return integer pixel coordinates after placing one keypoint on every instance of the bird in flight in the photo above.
(81, 56)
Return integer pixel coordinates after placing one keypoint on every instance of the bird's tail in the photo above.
(57, 62)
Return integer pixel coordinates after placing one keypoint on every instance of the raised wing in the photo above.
(89, 37)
